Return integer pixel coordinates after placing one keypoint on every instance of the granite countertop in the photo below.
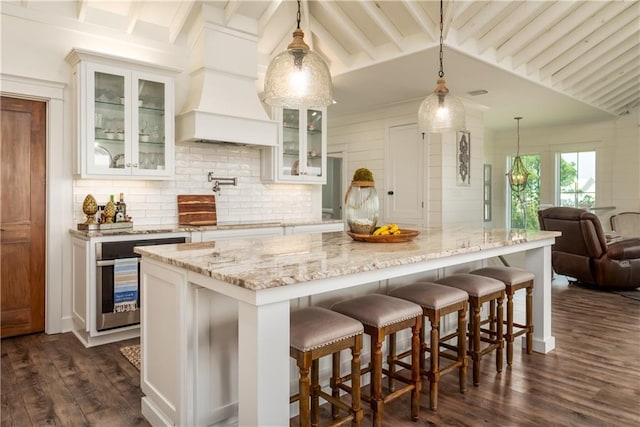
(157, 229)
(284, 260)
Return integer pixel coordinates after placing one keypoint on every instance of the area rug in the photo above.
(132, 353)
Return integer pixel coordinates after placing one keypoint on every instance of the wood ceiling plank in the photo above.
(558, 31)
(350, 28)
(579, 31)
(520, 14)
(595, 44)
(483, 21)
(538, 26)
(612, 62)
(424, 21)
(383, 23)
(335, 50)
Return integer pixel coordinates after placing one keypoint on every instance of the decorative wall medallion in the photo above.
(463, 158)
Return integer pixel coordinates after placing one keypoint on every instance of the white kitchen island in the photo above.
(215, 315)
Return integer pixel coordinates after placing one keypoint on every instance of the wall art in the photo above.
(463, 158)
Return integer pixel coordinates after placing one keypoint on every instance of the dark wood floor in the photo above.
(592, 378)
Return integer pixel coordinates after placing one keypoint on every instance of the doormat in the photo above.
(132, 353)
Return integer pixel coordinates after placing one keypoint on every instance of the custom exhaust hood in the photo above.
(223, 103)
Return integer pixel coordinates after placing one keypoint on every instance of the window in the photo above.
(524, 206)
(577, 179)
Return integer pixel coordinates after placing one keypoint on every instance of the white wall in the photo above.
(363, 137)
(617, 146)
(42, 58)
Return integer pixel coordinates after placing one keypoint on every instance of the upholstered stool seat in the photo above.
(481, 290)
(436, 301)
(316, 332)
(514, 279)
(383, 315)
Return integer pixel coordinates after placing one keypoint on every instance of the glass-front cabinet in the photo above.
(125, 122)
(301, 156)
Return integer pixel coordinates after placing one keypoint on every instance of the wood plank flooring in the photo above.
(592, 378)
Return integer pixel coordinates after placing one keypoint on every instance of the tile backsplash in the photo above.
(154, 202)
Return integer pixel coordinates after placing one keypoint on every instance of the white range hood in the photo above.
(223, 103)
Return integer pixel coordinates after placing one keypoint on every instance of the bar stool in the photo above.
(481, 290)
(514, 279)
(436, 301)
(382, 315)
(316, 332)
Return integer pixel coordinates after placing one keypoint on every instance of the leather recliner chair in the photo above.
(582, 251)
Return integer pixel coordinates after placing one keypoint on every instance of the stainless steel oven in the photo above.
(107, 255)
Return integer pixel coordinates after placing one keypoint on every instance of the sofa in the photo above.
(582, 252)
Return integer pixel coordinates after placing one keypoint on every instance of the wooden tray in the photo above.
(405, 235)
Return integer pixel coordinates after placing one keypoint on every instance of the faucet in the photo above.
(218, 181)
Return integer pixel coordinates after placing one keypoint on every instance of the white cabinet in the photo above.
(301, 155)
(125, 117)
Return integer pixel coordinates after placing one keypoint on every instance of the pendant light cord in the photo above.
(298, 15)
(441, 73)
(518, 133)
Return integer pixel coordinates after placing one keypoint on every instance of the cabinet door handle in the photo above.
(390, 192)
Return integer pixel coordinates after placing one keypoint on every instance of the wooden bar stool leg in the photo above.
(462, 349)
(390, 358)
(335, 391)
(509, 337)
(415, 369)
(499, 337)
(304, 364)
(355, 384)
(377, 404)
(529, 318)
(315, 395)
(435, 358)
(475, 353)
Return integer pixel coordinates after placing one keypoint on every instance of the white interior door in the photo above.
(404, 191)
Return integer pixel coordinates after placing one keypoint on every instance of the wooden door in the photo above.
(404, 197)
(22, 216)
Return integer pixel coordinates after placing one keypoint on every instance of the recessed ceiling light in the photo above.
(478, 92)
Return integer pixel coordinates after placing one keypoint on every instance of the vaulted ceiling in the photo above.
(552, 62)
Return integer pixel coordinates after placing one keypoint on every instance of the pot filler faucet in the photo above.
(218, 181)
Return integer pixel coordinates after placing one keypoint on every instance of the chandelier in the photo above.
(441, 111)
(518, 175)
(298, 77)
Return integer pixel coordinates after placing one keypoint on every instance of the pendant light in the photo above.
(441, 111)
(298, 77)
(518, 175)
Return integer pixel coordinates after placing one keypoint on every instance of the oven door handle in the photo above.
(108, 262)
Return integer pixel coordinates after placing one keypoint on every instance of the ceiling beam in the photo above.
(481, 23)
(382, 22)
(230, 10)
(557, 32)
(423, 20)
(605, 81)
(133, 15)
(335, 49)
(179, 19)
(82, 10)
(596, 43)
(268, 13)
(350, 28)
(580, 31)
(514, 23)
(539, 25)
(592, 74)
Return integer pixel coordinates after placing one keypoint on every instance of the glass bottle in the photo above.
(362, 207)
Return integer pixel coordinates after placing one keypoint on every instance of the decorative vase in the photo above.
(110, 211)
(90, 207)
(362, 207)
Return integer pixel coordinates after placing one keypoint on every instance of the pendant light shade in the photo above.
(518, 175)
(298, 77)
(441, 111)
